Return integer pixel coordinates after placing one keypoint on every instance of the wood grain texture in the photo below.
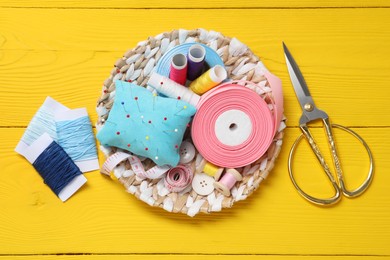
(345, 64)
(102, 218)
(66, 49)
(183, 256)
(218, 4)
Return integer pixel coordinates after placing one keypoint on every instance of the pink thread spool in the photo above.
(178, 71)
(227, 182)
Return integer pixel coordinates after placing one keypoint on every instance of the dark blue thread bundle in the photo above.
(56, 167)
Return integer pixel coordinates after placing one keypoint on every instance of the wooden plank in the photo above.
(75, 79)
(171, 256)
(68, 54)
(67, 49)
(352, 31)
(102, 218)
(193, 4)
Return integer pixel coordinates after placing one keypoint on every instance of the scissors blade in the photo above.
(296, 76)
(310, 112)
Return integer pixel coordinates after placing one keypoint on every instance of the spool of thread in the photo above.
(196, 56)
(75, 136)
(172, 89)
(55, 166)
(42, 122)
(178, 70)
(210, 169)
(178, 178)
(233, 126)
(212, 58)
(208, 80)
(226, 183)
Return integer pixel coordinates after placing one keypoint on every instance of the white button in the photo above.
(186, 152)
(203, 184)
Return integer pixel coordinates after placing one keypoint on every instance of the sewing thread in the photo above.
(211, 58)
(77, 139)
(196, 56)
(226, 183)
(208, 80)
(42, 122)
(210, 169)
(171, 89)
(178, 178)
(178, 69)
(56, 167)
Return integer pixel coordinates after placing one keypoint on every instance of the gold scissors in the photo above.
(312, 113)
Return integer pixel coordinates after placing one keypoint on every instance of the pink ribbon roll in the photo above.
(234, 126)
(178, 178)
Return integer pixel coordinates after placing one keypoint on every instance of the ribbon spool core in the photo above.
(233, 127)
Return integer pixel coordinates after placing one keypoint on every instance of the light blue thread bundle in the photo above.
(77, 139)
(42, 122)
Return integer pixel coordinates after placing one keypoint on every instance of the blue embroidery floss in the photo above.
(55, 166)
(42, 122)
(76, 137)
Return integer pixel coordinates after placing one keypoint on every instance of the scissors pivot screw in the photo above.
(308, 107)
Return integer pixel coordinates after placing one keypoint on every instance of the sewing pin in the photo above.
(136, 100)
(154, 99)
(171, 131)
(183, 108)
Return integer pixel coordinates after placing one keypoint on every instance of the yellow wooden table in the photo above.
(65, 49)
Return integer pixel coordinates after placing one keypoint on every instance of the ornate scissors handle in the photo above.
(339, 187)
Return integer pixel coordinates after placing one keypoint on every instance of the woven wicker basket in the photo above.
(136, 65)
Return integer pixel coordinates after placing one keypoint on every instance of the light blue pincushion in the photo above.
(146, 124)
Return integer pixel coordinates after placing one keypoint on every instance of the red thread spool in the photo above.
(178, 71)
